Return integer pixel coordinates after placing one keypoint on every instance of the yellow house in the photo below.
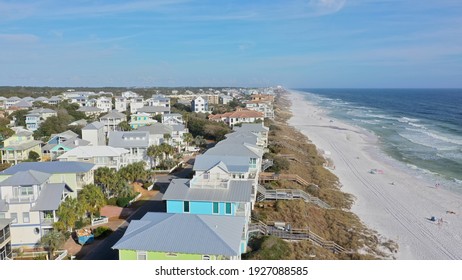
(17, 147)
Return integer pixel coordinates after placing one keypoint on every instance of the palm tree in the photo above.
(52, 241)
(92, 199)
(154, 152)
(167, 137)
(187, 138)
(69, 212)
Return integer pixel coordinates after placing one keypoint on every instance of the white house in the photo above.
(31, 201)
(94, 133)
(200, 105)
(136, 142)
(135, 104)
(100, 156)
(129, 94)
(112, 120)
(121, 103)
(104, 103)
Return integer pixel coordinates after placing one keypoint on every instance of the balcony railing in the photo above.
(4, 237)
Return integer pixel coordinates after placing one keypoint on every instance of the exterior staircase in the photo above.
(267, 163)
(259, 227)
(289, 194)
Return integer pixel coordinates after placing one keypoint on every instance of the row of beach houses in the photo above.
(212, 210)
(207, 216)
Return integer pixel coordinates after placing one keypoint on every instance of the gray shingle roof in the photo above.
(50, 197)
(23, 104)
(29, 177)
(51, 167)
(239, 164)
(129, 139)
(184, 233)
(237, 191)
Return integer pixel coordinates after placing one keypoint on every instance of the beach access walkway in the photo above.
(289, 194)
(258, 227)
(270, 176)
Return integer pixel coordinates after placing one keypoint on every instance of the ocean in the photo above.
(420, 128)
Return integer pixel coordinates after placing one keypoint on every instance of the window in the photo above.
(215, 208)
(14, 216)
(228, 208)
(2, 215)
(206, 176)
(25, 217)
(27, 190)
(141, 255)
(186, 206)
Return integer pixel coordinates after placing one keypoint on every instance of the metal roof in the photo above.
(42, 111)
(252, 127)
(114, 114)
(237, 191)
(94, 125)
(52, 167)
(129, 139)
(94, 151)
(4, 223)
(50, 197)
(29, 177)
(239, 164)
(225, 148)
(153, 109)
(156, 128)
(22, 146)
(184, 233)
(89, 109)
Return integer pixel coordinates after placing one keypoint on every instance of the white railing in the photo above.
(100, 220)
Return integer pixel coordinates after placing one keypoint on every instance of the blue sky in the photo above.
(318, 43)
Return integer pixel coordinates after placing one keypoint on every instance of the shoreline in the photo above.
(396, 204)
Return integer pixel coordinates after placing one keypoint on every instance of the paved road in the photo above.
(104, 250)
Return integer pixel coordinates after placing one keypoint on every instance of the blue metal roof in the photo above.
(29, 177)
(50, 197)
(52, 167)
(184, 233)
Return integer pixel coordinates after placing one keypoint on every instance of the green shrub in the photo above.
(101, 232)
(123, 201)
(112, 201)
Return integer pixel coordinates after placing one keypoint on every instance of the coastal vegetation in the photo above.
(293, 153)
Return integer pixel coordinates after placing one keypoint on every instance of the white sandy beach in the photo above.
(398, 211)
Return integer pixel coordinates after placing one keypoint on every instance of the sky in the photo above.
(248, 43)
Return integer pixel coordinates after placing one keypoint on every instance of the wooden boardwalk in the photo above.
(289, 194)
(259, 227)
(269, 176)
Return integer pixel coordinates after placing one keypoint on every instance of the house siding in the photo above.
(199, 207)
(132, 255)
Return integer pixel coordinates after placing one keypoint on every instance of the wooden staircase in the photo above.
(269, 176)
(259, 227)
(288, 194)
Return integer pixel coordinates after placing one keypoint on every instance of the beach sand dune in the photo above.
(390, 200)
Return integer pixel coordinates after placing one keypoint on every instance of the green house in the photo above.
(167, 236)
